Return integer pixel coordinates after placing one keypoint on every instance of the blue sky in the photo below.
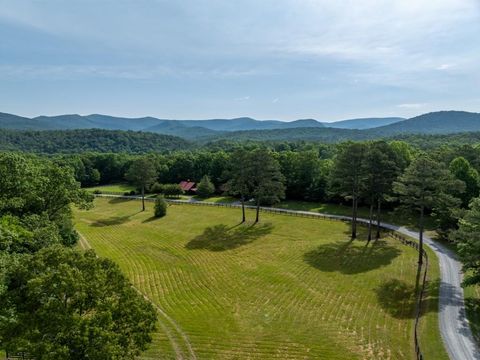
(268, 59)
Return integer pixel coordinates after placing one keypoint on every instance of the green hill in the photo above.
(96, 140)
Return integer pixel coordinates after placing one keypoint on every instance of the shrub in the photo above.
(160, 207)
(97, 191)
(168, 190)
(157, 188)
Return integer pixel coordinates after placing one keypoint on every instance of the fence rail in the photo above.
(307, 214)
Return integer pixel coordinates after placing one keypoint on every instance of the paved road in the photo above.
(454, 327)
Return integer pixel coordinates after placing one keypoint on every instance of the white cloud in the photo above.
(412, 105)
(444, 66)
(243, 98)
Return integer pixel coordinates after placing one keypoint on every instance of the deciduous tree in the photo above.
(64, 304)
(467, 238)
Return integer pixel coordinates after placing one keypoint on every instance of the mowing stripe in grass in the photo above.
(264, 299)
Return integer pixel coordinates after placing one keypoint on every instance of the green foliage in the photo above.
(32, 186)
(205, 187)
(168, 190)
(347, 171)
(64, 304)
(265, 177)
(307, 177)
(28, 235)
(462, 170)
(467, 238)
(237, 174)
(428, 185)
(379, 170)
(160, 208)
(142, 172)
(78, 141)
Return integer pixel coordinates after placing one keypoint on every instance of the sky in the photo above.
(267, 59)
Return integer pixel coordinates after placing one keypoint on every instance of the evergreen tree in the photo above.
(347, 175)
(205, 187)
(160, 207)
(238, 183)
(379, 171)
(426, 185)
(265, 178)
(142, 173)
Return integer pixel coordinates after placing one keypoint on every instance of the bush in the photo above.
(168, 190)
(97, 191)
(205, 187)
(160, 207)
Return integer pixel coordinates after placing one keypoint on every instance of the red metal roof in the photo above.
(187, 185)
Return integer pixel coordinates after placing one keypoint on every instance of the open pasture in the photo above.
(286, 288)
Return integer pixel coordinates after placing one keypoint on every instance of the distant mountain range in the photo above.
(443, 122)
(190, 129)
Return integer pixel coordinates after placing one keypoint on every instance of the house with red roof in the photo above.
(188, 186)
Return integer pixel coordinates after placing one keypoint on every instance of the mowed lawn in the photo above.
(287, 288)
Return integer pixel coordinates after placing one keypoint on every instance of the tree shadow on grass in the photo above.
(221, 237)
(350, 258)
(116, 220)
(399, 298)
(118, 200)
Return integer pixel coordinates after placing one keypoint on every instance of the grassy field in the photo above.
(287, 288)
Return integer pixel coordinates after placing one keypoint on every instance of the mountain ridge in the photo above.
(441, 122)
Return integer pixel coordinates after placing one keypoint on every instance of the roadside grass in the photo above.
(217, 199)
(288, 287)
(337, 209)
(472, 306)
(120, 188)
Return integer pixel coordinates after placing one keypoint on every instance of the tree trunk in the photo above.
(143, 198)
(354, 217)
(420, 239)
(243, 209)
(258, 211)
(370, 220)
(377, 236)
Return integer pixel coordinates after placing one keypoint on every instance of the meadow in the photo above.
(286, 288)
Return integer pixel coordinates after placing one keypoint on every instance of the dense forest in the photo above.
(75, 141)
(135, 142)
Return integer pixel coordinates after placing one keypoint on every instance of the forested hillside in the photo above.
(74, 141)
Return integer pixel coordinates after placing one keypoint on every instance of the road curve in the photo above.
(454, 326)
